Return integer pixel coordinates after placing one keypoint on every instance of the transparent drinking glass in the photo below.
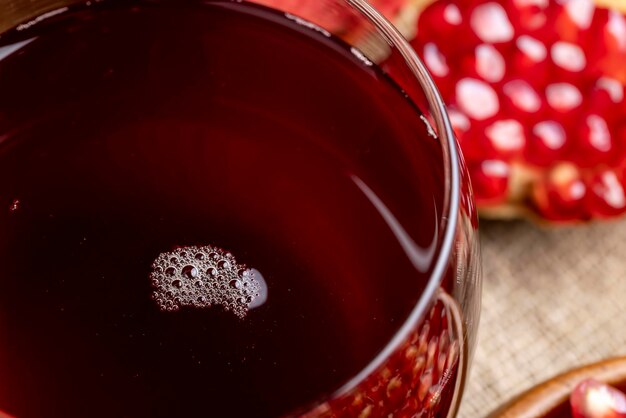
(422, 370)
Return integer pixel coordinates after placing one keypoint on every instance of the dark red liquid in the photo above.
(125, 132)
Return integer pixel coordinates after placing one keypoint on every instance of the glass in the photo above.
(422, 370)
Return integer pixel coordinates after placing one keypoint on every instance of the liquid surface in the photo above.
(128, 132)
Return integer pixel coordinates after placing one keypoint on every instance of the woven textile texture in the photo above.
(553, 299)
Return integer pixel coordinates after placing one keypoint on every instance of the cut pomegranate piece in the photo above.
(537, 96)
(593, 399)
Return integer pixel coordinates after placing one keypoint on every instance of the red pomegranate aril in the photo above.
(490, 23)
(593, 399)
(573, 19)
(528, 60)
(477, 99)
(560, 194)
(439, 18)
(563, 97)
(435, 60)
(460, 122)
(568, 56)
(490, 180)
(606, 99)
(610, 52)
(507, 137)
(547, 141)
(606, 196)
(594, 142)
(426, 381)
(530, 14)
(521, 97)
(487, 63)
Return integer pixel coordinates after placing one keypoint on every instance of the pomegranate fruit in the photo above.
(536, 95)
(593, 399)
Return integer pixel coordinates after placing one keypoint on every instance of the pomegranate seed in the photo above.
(444, 21)
(560, 195)
(530, 60)
(568, 56)
(432, 352)
(452, 15)
(580, 12)
(522, 96)
(530, 13)
(607, 196)
(453, 353)
(490, 180)
(532, 48)
(435, 60)
(477, 99)
(491, 24)
(575, 17)
(615, 32)
(395, 391)
(546, 143)
(507, 137)
(592, 399)
(563, 96)
(460, 122)
(613, 87)
(594, 143)
(426, 381)
(489, 63)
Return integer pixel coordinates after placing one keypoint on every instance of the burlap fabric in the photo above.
(553, 299)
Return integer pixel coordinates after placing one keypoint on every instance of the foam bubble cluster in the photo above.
(200, 277)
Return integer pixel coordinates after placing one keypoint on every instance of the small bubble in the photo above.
(190, 271)
(170, 271)
(198, 283)
(158, 269)
(177, 284)
(235, 284)
(201, 299)
(199, 256)
(213, 256)
(249, 299)
(177, 301)
(15, 205)
(169, 294)
(224, 264)
(211, 272)
(243, 273)
(155, 282)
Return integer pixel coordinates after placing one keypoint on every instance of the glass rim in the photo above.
(450, 212)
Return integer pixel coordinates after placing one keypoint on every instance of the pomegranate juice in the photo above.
(205, 210)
